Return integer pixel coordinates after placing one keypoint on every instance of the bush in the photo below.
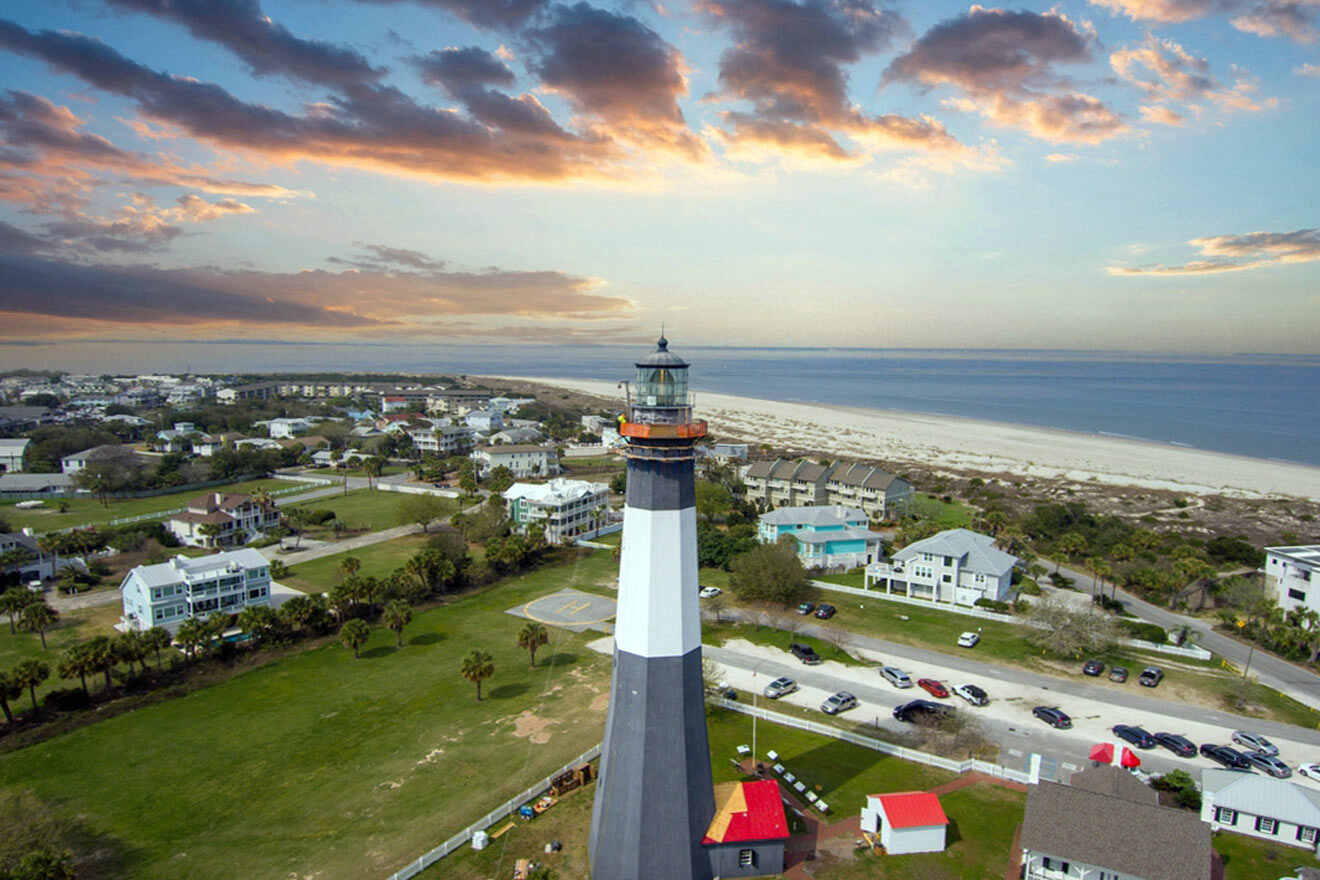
(1028, 587)
(994, 605)
(66, 700)
(1149, 632)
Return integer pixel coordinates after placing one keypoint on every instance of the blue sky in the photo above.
(1117, 174)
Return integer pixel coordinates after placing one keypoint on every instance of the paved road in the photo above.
(330, 548)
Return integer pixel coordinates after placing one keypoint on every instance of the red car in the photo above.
(933, 687)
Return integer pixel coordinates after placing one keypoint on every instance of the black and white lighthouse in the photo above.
(654, 799)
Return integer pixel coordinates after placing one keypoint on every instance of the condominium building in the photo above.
(442, 440)
(785, 483)
(563, 509)
(240, 393)
(524, 460)
(1292, 576)
(171, 592)
(881, 494)
(826, 537)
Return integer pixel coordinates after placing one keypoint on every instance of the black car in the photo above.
(922, 712)
(825, 611)
(1179, 745)
(1135, 735)
(805, 653)
(1118, 674)
(1151, 676)
(806, 607)
(1092, 667)
(1229, 757)
(1053, 716)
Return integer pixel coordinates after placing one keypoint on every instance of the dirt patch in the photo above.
(600, 703)
(532, 727)
(431, 756)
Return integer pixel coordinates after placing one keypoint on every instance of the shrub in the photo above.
(66, 699)
(1149, 632)
(1028, 587)
(994, 605)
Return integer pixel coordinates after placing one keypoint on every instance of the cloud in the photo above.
(459, 70)
(383, 258)
(1168, 74)
(196, 209)
(267, 47)
(1003, 63)
(1237, 253)
(1167, 11)
(1274, 19)
(1162, 115)
(17, 241)
(464, 75)
(493, 14)
(1307, 70)
(1270, 18)
(1057, 158)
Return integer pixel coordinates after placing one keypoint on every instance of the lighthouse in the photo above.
(654, 799)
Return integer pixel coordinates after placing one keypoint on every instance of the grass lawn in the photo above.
(88, 511)
(328, 766)
(854, 578)
(73, 626)
(1250, 858)
(614, 539)
(377, 560)
(945, 514)
(364, 510)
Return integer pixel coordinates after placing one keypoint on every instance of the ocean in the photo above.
(1264, 406)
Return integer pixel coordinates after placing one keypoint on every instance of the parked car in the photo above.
(1255, 742)
(1135, 735)
(972, 694)
(779, 687)
(825, 611)
(933, 687)
(1310, 771)
(1053, 716)
(1092, 667)
(922, 711)
(1179, 745)
(1151, 676)
(1269, 764)
(1118, 674)
(805, 653)
(709, 592)
(897, 677)
(968, 640)
(1225, 755)
(840, 702)
(806, 607)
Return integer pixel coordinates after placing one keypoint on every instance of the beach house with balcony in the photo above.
(561, 509)
(523, 459)
(825, 537)
(171, 592)
(221, 519)
(1292, 576)
(956, 566)
(785, 483)
(876, 491)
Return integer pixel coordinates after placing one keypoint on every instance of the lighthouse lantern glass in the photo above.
(662, 386)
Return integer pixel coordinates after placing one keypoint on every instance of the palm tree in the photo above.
(51, 545)
(192, 633)
(76, 663)
(10, 689)
(1103, 570)
(39, 617)
(397, 615)
(101, 654)
(13, 601)
(299, 611)
(532, 636)
(259, 620)
(157, 639)
(372, 468)
(350, 566)
(1072, 545)
(28, 674)
(354, 634)
(130, 648)
(476, 668)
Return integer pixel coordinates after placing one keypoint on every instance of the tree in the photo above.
(29, 674)
(420, 509)
(1060, 630)
(349, 566)
(157, 639)
(769, 572)
(10, 689)
(499, 479)
(397, 615)
(13, 601)
(1072, 545)
(101, 655)
(354, 634)
(476, 667)
(619, 483)
(261, 621)
(192, 634)
(532, 636)
(38, 617)
(76, 663)
(372, 467)
(130, 648)
(44, 864)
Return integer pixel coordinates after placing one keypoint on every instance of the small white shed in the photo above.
(907, 821)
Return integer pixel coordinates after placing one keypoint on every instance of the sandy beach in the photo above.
(992, 447)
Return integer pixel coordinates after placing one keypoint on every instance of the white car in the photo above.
(1310, 771)
(968, 640)
(709, 592)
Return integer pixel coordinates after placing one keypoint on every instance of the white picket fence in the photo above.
(1141, 644)
(412, 869)
(417, 490)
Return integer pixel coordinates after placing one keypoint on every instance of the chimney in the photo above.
(219, 497)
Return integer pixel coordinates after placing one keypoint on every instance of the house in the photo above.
(243, 393)
(484, 420)
(29, 561)
(1108, 824)
(35, 485)
(220, 519)
(258, 443)
(209, 444)
(594, 424)
(524, 460)
(1261, 806)
(23, 418)
(1292, 576)
(747, 835)
(878, 492)
(171, 592)
(72, 464)
(442, 440)
(826, 537)
(515, 436)
(955, 566)
(907, 821)
(178, 438)
(456, 401)
(12, 451)
(563, 509)
(282, 428)
(784, 483)
(723, 452)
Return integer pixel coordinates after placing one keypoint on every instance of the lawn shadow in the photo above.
(831, 765)
(563, 658)
(426, 639)
(505, 691)
(951, 834)
(379, 651)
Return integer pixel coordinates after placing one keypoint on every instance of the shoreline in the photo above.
(962, 443)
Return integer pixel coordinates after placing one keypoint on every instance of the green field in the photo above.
(73, 626)
(378, 560)
(945, 514)
(364, 510)
(322, 765)
(89, 511)
(855, 578)
(1250, 858)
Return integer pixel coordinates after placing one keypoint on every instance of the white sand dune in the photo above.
(973, 444)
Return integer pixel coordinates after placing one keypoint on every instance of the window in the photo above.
(1225, 816)
(1307, 835)
(746, 858)
(1297, 594)
(1266, 826)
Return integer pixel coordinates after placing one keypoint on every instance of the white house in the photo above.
(1261, 806)
(484, 420)
(1108, 824)
(11, 454)
(564, 509)
(723, 452)
(38, 566)
(525, 460)
(594, 424)
(282, 428)
(236, 519)
(443, 440)
(171, 592)
(956, 566)
(1292, 576)
(907, 821)
(826, 537)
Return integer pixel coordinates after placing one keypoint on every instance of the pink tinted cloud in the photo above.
(1238, 253)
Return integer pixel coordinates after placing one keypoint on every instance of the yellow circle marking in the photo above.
(572, 605)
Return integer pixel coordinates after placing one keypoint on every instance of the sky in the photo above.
(1100, 174)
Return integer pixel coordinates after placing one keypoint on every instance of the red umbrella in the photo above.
(1129, 760)
(1103, 753)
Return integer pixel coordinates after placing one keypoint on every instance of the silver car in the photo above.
(1255, 742)
(897, 677)
(1269, 764)
(840, 702)
(779, 687)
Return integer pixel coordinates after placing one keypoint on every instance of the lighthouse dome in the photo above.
(662, 356)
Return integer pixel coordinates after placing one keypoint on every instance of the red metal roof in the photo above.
(748, 811)
(912, 809)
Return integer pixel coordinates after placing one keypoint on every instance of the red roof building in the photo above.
(907, 821)
(746, 838)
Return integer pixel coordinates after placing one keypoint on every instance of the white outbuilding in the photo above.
(907, 821)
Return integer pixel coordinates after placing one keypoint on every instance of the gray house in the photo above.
(956, 566)
(784, 483)
(878, 492)
(1260, 806)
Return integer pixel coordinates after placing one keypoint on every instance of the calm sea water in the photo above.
(1266, 406)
